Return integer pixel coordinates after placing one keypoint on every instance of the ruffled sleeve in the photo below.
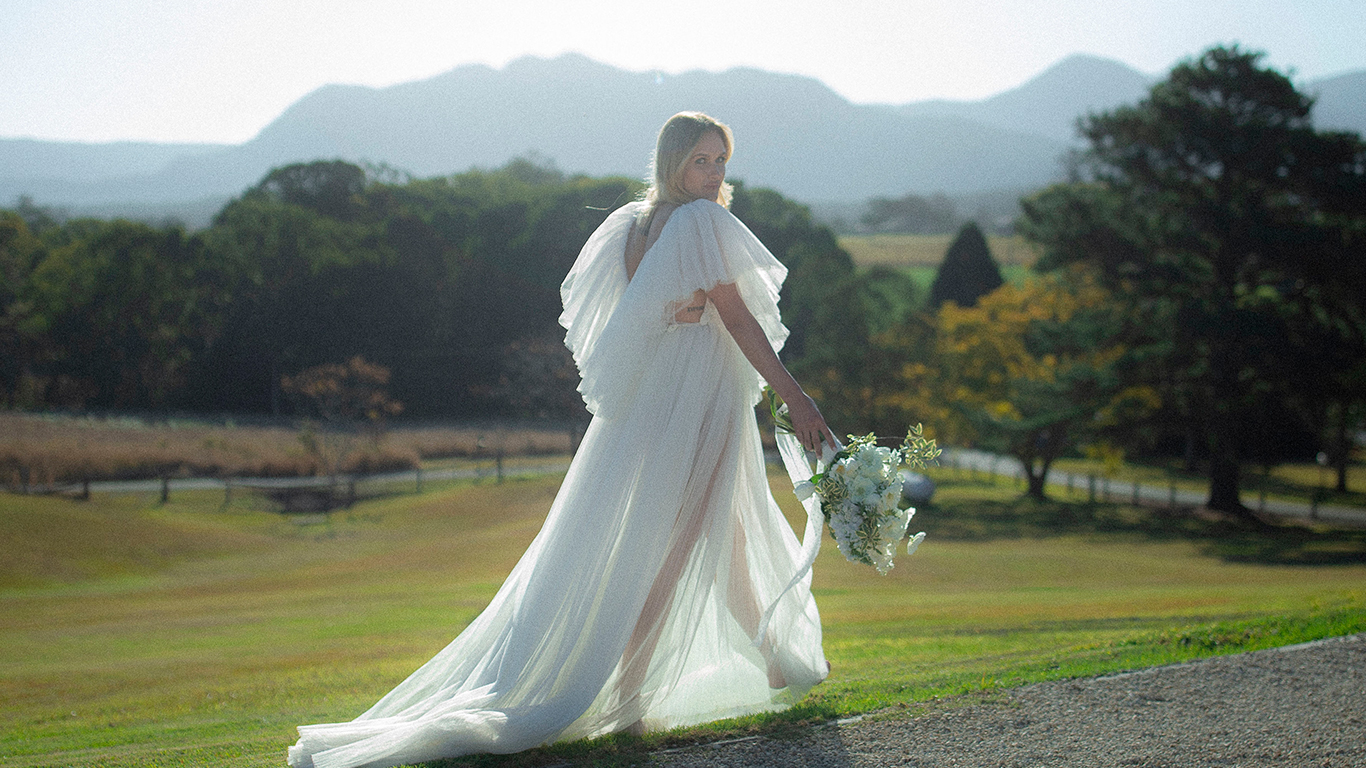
(718, 248)
(594, 286)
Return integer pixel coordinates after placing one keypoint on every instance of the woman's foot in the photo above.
(776, 679)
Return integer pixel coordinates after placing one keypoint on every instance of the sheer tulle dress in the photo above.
(636, 603)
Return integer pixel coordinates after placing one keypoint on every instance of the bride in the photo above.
(638, 604)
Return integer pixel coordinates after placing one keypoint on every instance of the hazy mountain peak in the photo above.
(1049, 103)
(1340, 103)
(794, 133)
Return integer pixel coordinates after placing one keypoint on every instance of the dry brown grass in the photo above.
(47, 450)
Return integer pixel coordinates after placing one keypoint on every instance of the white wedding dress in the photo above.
(636, 603)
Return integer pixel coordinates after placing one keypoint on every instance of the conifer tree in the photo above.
(1232, 231)
(968, 272)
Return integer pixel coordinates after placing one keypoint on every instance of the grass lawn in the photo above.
(192, 635)
(928, 250)
(918, 257)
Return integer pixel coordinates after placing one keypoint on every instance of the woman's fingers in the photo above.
(810, 426)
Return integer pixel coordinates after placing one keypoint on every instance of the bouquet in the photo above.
(859, 491)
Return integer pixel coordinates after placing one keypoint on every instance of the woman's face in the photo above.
(706, 167)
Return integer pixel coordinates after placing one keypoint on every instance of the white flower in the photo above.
(890, 496)
(859, 496)
(861, 486)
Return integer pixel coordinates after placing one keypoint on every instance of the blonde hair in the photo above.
(673, 148)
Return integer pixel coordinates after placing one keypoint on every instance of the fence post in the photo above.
(227, 493)
(419, 479)
(165, 488)
(1135, 501)
(85, 489)
(23, 480)
(500, 463)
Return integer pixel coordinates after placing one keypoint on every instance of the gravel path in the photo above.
(1298, 706)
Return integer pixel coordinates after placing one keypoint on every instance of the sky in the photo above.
(221, 70)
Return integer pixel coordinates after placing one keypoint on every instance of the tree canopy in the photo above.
(451, 283)
(1231, 231)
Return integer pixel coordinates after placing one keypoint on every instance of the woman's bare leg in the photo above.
(744, 606)
(640, 648)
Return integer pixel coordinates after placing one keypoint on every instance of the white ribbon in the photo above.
(798, 464)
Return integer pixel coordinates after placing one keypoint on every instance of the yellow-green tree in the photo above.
(1035, 369)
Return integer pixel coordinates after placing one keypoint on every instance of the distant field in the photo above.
(191, 634)
(928, 250)
(68, 449)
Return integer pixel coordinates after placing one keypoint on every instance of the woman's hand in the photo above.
(808, 425)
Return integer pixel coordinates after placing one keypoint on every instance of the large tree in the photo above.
(1223, 221)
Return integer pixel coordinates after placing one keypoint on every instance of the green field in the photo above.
(918, 257)
(193, 635)
(902, 251)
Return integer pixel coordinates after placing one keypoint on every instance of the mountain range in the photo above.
(793, 134)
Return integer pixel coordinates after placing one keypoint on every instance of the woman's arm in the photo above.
(807, 422)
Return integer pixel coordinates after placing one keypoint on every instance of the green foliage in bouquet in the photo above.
(859, 491)
(917, 451)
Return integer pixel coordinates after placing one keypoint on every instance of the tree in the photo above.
(909, 381)
(20, 253)
(967, 272)
(296, 276)
(345, 398)
(120, 308)
(333, 188)
(1036, 369)
(1219, 217)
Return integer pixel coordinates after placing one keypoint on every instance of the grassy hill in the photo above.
(192, 634)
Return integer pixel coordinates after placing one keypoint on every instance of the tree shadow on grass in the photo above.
(984, 519)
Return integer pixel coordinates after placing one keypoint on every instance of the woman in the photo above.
(664, 552)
